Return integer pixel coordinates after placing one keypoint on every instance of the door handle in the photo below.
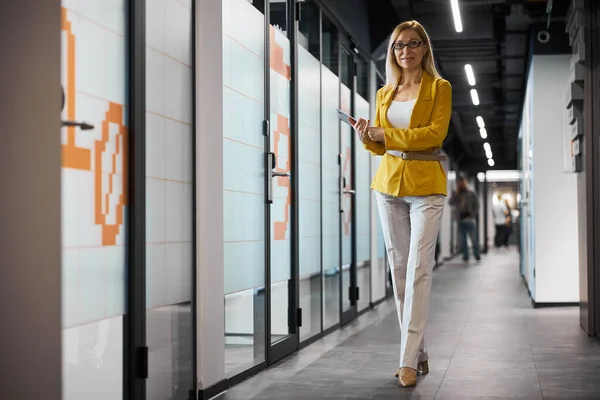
(350, 191)
(272, 164)
(83, 125)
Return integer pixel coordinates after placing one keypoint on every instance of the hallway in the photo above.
(485, 341)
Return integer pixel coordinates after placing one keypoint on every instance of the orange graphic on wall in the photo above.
(72, 156)
(81, 158)
(277, 64)
(277, 59)
(283, 129)
(114, 115)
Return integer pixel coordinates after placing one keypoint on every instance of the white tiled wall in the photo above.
(243, 146)
(94, 259)
(169, 152)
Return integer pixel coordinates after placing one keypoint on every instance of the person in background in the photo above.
(499, 212)
(467, 206)
(507, 224)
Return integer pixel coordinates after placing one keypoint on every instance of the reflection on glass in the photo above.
(94, 198)
(309, 144)
(243, 184)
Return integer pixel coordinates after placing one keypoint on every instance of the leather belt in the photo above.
(418, 155)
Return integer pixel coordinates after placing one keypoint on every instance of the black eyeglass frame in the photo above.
(413, 44)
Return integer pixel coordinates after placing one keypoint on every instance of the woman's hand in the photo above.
(377, 134)
(361, 126)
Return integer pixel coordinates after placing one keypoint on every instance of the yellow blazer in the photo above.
(427, 130)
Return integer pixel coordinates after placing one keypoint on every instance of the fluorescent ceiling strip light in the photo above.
(475, 97)
(489, 154)
(491, 162)
(470, 74)
(456, 14)
(480, 122)
(503, 176)
(483, 133)
(487, 147)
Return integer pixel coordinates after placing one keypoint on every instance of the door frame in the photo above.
(349, 315)
(284, 347)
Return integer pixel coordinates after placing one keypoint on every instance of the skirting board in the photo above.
(548, 305)
(214, 390)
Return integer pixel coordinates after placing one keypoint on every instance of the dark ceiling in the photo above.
(494, 41)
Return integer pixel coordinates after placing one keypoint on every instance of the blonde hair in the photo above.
(393, 71)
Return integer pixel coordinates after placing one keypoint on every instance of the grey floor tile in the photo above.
(484, 339)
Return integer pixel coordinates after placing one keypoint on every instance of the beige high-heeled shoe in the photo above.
(422, 369)
(407, 377)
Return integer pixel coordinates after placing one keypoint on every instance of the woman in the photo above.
(411, 121)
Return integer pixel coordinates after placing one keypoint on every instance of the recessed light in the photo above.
(470, 74)
(480, 122)
(491, 162)
(475, 97)
(456, 14)
(483, 133)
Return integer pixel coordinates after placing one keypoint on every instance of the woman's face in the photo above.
(409, 49)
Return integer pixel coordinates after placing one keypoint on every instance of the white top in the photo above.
(499, 211)
(398, 115)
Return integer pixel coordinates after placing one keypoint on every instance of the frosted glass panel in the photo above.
(330, 186)
(94, 198)
(169, 198)
(309, 143)
(363, 209)
(281, 223)
(243, 184)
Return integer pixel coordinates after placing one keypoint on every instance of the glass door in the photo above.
(169, 199)
(283, 316)
(95, 201)
(349, 292)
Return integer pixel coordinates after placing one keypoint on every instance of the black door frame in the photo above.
(282, 348)
(135, 350)
(352, 291)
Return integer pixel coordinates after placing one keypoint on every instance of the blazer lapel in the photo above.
(423, 103)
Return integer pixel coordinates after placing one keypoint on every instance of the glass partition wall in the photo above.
(297, 203)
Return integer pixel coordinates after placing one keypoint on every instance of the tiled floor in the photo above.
(485, 341)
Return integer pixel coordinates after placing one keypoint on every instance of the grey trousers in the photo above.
(410, 229)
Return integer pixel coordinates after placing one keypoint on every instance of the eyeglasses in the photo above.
(413, 44)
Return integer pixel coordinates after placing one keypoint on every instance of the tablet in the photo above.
(342, 116)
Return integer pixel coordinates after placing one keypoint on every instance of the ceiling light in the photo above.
(470, 74)
(475, 97)
(480, 122)
(491, 162)
(489, 154)
(456, 14)
(487, 147)
(481, 176)
(503, 176)
(483, 133)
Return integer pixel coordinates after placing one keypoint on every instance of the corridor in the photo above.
(484, 338)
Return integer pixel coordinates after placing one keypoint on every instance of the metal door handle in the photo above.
(350, 191)
(83, 125)
(280, 174)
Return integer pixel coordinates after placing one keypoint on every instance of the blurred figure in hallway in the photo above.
(507, 225)
(467, 205)
(500, 212)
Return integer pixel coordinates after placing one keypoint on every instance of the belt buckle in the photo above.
(405, 156)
